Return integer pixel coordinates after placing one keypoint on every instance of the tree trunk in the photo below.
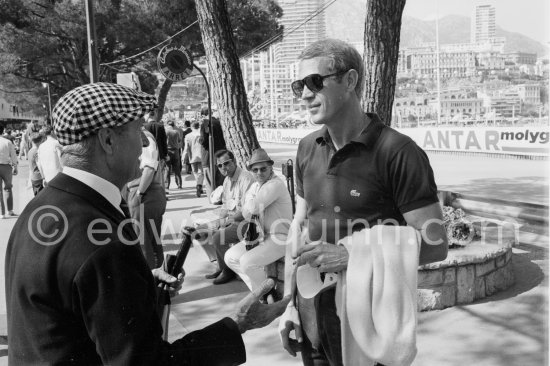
(161, 100)
(226, 76)
(382, 34)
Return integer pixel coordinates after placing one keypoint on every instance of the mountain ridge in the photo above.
(452, 29)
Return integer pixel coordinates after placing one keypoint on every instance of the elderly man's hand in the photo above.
(325, 257)
(251, 314)
(290, 321)
(174, 284)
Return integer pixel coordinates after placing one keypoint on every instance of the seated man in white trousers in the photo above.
(269, 199)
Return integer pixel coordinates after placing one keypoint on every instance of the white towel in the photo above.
(376, 296)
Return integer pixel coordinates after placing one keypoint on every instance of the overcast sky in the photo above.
(528, 17)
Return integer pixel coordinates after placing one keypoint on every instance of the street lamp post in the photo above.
(92, 48)
(47, 85)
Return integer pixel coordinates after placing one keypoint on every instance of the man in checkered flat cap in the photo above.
(78, 289)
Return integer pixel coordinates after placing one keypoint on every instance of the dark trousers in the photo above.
(223, 239)
(327, 350)
(148, 216)
(6, 176)
(174, 166)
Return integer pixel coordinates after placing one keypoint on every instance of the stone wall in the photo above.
(468, 274)
(462, 282)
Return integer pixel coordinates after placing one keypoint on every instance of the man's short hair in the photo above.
(343, 55)
(218, 154)
(36, 137)
(196, 125)
(204, 111)
(1, 129)
(46, 130)
(170, 123)
(187, 124)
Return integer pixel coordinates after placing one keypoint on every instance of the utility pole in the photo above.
(92, 49)
(47, 85)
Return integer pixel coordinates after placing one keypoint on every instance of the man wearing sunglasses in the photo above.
(236, 183)
(353, 170)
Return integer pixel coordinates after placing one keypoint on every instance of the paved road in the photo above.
(509, 179)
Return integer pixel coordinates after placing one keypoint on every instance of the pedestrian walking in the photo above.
(193, 154)
(186, 166)
(8, 168)
(173, 143)
(35, 177)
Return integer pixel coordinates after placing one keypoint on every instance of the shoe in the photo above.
(199, 190)
(211, 276)
(224, 277)
(11, 213)
(1, 217)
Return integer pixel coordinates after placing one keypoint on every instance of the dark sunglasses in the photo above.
(314, 82)
(262, 169)
(225, 163)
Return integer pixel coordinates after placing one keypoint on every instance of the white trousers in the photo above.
(249, 265)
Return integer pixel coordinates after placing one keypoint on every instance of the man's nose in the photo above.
(306, 93)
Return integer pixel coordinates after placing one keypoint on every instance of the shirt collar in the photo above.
(102, 186)
(367, 137)
(236, 175)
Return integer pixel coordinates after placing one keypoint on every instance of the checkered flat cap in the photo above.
(91, 107)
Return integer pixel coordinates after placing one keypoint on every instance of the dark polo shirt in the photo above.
(373, 179)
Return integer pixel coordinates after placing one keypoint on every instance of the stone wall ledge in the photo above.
(475, 252)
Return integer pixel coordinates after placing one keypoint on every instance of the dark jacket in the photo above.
(90, 300)
(219, 141)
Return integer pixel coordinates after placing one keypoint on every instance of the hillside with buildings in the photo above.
(456, 29)
(415, 32)
(479, 72)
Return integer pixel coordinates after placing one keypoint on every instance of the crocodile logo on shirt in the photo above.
(354, 193)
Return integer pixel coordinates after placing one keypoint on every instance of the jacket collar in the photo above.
(73, 186)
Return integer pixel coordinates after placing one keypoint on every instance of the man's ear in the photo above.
(351, 79)
(106, 140)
